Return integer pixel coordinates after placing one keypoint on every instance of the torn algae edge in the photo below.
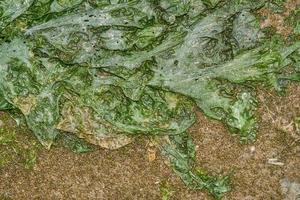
(180, 151)
(107, 71)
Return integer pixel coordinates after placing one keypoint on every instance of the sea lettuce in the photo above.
(106, 71)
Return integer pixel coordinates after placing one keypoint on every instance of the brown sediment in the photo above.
(277, 20)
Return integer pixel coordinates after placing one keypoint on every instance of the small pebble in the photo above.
(252, 149)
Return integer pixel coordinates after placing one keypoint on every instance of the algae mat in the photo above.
(107, 71)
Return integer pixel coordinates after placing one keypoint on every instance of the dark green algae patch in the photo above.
(103, 72)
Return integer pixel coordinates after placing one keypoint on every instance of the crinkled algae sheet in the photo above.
(105, 71)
